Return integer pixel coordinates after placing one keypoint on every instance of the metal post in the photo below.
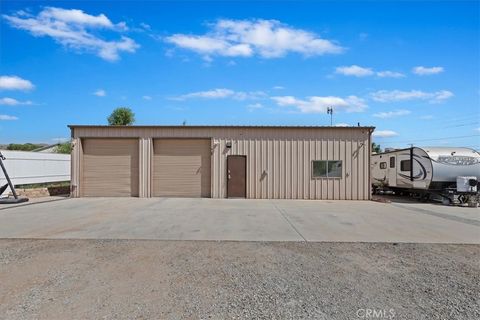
(330, 112)
(6, 176)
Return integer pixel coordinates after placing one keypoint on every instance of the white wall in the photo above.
(34, 167)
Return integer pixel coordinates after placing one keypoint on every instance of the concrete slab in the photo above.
(241, 220)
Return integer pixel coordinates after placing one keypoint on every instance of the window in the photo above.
(405, 165)
(326, 169)
(392, 162)
(383, 165)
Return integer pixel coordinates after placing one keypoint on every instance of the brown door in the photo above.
(109, 168)
(181, 168)
(236, 176)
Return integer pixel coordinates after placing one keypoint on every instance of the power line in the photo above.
(434, 139)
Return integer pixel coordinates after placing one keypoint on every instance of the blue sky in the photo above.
(411, 69)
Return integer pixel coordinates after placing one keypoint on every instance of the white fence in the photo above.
(35, 167)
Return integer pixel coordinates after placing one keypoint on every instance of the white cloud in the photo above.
(278, 87)
(100, 93)
(398, 95)
(13, 102)
(15, 83)
(342, 125)
(246, 38)
(425, 71)
(222, 94)
(7, 117)
(317, 104)
(390, 74)
(477, 129)
(254, 106)
(354, 70)
(391, 114)
(384, 133)
(147, 98)
(357, 71)
(427, 117)
(73, 29)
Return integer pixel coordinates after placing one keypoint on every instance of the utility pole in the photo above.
(330, 112)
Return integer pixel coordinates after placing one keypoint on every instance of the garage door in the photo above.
(181, 168)
(110, 168)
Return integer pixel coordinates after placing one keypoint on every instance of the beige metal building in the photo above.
(222, 161)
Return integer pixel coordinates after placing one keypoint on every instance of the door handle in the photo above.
(229, 177)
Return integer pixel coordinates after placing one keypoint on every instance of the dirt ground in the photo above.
(135, 279)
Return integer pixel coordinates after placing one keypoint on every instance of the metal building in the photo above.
(257, 162)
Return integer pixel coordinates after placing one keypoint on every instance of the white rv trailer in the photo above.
(428, 171)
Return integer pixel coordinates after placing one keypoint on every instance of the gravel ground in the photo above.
(123, 279)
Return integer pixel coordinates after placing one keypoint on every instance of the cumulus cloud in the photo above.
(75, 29)
(246, 38)
(358, 71)
(390, 74)
(222, 93)
(100, 93)
(13, 102)
(15, 83)
(7, 117)
(391, 114)
(355, 71)
(342, 125)
(398, 95)
(316, 104)
(426, 71)
(147, 98)
(384, 133)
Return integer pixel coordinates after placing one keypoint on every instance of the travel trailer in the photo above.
(450, 173)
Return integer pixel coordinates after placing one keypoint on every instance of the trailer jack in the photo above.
(16, 198)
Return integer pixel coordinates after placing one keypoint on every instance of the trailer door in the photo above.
(392, 171)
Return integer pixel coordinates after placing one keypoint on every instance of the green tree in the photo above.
(23, 147)
(65, 147)
(376, 148)
(121, 117)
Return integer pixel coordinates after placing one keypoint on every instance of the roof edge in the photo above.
(72, 126)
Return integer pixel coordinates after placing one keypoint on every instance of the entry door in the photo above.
(236, 176)
(392, 171)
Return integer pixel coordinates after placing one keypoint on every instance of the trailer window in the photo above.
(405, 165)
(392, 162)
(326, 169)
(383, 165)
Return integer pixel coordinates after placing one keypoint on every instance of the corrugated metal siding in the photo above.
(181, 167)
(145, 167)
(109, 168)
(278, 159)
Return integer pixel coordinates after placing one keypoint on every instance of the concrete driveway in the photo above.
(241, 220)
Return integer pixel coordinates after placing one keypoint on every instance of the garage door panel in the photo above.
(110, 167)
(181, 167)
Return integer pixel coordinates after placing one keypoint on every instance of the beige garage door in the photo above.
(181, 168)
(110, 168)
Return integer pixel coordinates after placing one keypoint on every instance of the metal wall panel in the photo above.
(278, 158)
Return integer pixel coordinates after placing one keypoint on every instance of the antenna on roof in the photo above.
(330, 112)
